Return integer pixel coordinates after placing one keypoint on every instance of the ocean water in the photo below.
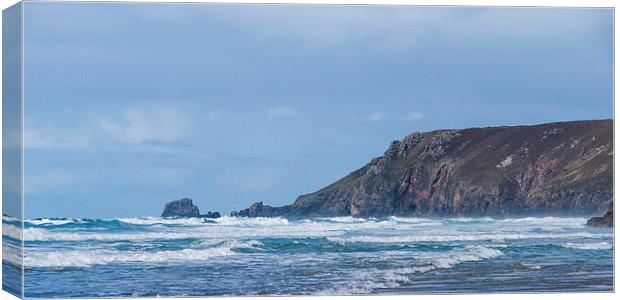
(321, 256)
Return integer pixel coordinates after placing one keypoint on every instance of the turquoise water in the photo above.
(322, 256)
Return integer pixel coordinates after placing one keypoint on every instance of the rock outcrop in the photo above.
(184, 208)
(561, 168)
(605, 221)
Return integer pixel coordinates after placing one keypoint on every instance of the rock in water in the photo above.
(184, 208)
(211, 215)
(605, 221)
(258, 209)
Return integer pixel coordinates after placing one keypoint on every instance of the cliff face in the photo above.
(550, 169)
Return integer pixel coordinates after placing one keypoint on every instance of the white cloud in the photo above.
(154, 124)
(96, 132)
(416, 115)
(281, 111)
(376, 116)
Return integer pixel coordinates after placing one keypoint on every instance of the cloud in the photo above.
(148, 129)
(376, 116)
(281, 112)
(416, 115)
(153, 124)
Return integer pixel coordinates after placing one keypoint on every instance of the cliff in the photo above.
(185, 208)
(561, 168)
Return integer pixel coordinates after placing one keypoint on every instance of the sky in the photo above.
(130, 105)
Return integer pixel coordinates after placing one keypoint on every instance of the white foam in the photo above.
(538, 221)
(52, 221)
(260, 221)
(394, 229)
(414, 220)
(11, 253)
(347, 219)
(431, 237)
(12, 231)
(9, 219)
(366, 281)
(158, 221)
(99, 256)
(589, 246)
(199, 232)
(84, 258)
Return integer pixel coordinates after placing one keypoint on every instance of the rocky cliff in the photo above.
(550, 169)
(185, 208)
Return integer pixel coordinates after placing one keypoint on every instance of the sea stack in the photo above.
(185, 208)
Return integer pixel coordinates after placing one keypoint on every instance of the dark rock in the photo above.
(184, 208)
(211, 215)
(561, 168)
(605, 221)
(258, 209)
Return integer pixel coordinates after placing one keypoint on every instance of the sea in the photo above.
(151, 256)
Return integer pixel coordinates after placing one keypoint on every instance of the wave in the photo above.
(162, 221)
(464, 237)
(467, 221)
(56, 222)
(88, 258)
(12, 253)
(231, 221)
(428, 261)
(372, 231)
(49, 222)
(414, 220)
(212, 232)
(7, 218)
(276, 221)
(244, 221)
(367, 281)
(345, 219)
(12, 231)
(589, 246)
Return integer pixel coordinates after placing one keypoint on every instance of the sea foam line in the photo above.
(589, 246)
(214, 232)
(464, 237)
(97, 256)
(366, 281)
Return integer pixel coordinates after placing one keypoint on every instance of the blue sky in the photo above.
(128, 106)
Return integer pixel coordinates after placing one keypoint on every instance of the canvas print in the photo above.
(195, 149)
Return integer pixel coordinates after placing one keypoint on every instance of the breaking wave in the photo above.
(11, 231)
(465, 237)
(367, 281)
(590, 246)
(88, 258)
